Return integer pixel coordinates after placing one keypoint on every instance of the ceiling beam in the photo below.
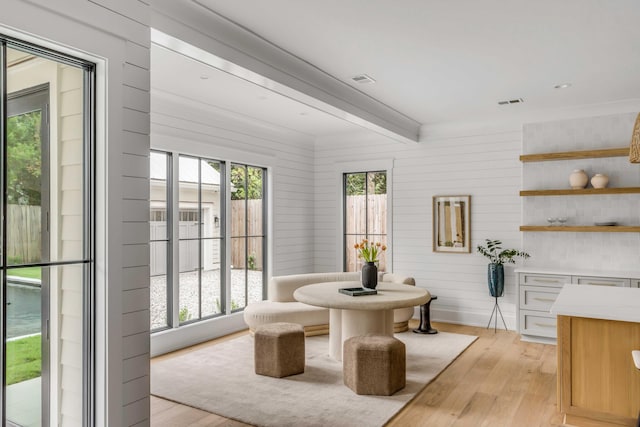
(219, 42)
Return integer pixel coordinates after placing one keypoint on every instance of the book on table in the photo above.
(355, 292)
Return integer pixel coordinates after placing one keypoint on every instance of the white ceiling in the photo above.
(181, 75)
(440, 61)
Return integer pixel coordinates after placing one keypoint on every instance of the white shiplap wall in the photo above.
(200, 129)
(67, 280)
(115, 34)
(587, 252)
(486, 167)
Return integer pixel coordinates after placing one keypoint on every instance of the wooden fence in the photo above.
(23, 233)
(253, 216)
(357, 223)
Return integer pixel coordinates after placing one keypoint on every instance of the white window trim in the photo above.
(340, 168)
(107, 334)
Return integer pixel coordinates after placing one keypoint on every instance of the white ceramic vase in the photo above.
(600, 180)
(578, 179)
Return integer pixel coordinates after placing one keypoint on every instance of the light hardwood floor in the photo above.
(498, 381)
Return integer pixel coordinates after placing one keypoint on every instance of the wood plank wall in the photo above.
(486, 167)
(117, 30)
(201, 130)
(68, 280)
(577, 250)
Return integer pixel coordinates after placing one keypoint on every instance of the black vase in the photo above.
(370, 275)
(495, 279)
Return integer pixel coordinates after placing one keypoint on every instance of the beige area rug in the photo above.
(221, 379)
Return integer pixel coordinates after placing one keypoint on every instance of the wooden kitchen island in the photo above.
(598, 384)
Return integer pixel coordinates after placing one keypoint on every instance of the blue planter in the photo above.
(370, 275)
(495, 279)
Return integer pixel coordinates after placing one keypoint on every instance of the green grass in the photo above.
(23, 359)
(26, 272)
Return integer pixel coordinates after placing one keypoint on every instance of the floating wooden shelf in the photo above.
(573, 155)
(583, 228)
(569, 155)
(581, 191)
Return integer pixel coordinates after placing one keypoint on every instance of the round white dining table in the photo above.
(359, 315)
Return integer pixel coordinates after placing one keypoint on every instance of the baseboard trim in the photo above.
(174, 339)
(467, 318)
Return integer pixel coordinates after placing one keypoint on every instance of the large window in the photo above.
(200, 239)
(365, 215)
(247, 235)
(46, 265)
(160, 239)
(196, 272)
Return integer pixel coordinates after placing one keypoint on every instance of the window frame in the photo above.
(173, 214)
(89, 227)
(246, 236)
(373, 165)
(168, 239)
(175, 208)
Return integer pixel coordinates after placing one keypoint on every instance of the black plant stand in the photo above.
(425, 318)
(496, 310)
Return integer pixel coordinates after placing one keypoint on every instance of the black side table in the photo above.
(425, 318)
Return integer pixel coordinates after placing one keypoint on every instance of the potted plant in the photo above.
(368, 252)
(498, 257)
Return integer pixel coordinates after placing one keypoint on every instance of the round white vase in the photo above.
(578, 179)
(600, 180)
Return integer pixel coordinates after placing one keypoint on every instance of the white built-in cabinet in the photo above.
(538, 289)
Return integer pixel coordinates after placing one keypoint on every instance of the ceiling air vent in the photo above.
(363, 78)
(511, 101)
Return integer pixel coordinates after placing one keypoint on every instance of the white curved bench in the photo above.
(282, 307)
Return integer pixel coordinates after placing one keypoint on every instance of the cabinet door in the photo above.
(601, 281)
(554, 280)
(538, 298)
(635, 283)
(538, 324)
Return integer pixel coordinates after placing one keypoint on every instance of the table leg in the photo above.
(362, 322)
(335, 333)
(425, 318)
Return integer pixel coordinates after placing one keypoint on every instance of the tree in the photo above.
(355, 183)
(24, 157)
(243, 189)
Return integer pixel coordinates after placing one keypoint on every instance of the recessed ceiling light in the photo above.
(204, 77)
(304, 113)
(363, 78)
(562, 86)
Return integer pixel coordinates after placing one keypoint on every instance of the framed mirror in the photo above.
(452, 224)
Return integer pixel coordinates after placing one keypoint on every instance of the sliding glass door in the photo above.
(46, 262)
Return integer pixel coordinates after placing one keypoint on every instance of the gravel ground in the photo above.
(210, 293)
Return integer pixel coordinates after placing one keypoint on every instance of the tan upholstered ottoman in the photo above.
(279, 349)
(374, 364)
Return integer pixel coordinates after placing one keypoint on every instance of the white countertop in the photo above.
(580, 272)
(598, 302)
